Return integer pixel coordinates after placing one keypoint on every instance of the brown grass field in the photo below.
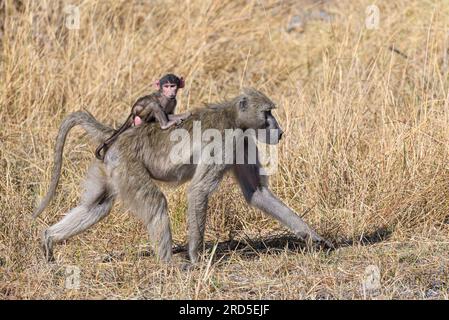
(364, 158)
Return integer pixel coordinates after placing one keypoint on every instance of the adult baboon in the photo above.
(141, 155)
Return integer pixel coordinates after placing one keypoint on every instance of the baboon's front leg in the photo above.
(257, 194)
(264, 200)
(204, 182)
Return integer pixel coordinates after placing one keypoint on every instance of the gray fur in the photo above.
(141, 155)
(97, 132)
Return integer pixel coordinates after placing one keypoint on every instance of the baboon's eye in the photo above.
(268, 115)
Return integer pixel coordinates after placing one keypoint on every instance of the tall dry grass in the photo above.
(364, 157)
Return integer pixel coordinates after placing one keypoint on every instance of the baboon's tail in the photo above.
(97, 131)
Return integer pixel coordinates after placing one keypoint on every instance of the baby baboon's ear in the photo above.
(182, 83)
(243, 103)
(157, 85)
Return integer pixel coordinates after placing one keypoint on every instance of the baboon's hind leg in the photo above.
(95, 204)
(147, 202)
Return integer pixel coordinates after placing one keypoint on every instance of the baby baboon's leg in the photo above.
(161, 116)
(95, 204)
(204, 182)
(147, 201)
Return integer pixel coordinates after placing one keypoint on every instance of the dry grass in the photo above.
(365, 154)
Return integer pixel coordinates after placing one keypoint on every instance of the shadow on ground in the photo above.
(251, 247)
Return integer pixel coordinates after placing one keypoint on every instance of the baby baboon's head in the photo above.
(254, 112)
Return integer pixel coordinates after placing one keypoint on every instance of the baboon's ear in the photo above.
(157, 85)
(243, 103)
(182, 83)
(249, 91)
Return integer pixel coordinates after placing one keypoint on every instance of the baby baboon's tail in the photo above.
(97, 131)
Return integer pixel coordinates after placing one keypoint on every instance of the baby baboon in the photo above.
(160, 106)
(141, 155)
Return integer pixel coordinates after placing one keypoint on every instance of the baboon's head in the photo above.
(254, 112)
(169, 84)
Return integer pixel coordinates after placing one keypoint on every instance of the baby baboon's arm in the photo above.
(179, 117)
(148, 110)
(162, 117)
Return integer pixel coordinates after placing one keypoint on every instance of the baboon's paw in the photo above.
(47, 247)
(325, 245)
(318, 243)
(187, 266)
